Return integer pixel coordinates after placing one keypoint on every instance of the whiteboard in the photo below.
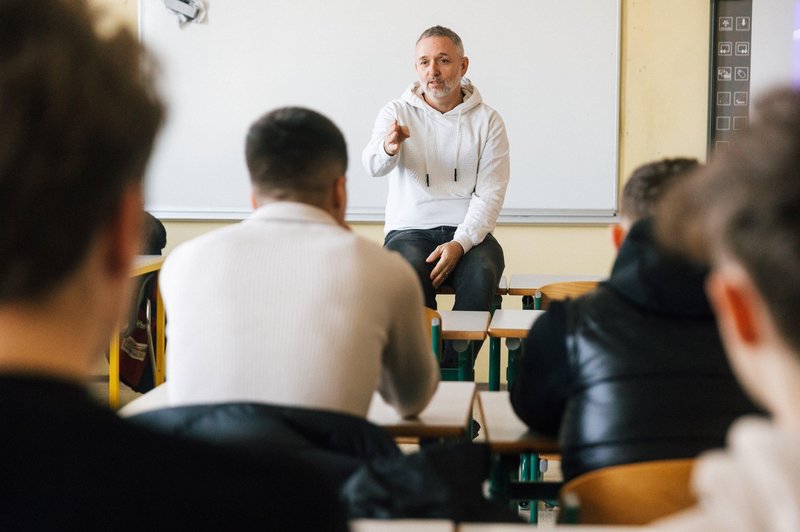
(549, 67)
(775, 43)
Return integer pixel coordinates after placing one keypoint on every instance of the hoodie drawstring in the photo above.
(427, 176)
(458, 145)
(458, 149)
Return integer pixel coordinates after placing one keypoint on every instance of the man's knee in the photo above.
(484, 264)
(478, 276)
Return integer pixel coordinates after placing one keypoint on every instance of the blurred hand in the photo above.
(395, 136)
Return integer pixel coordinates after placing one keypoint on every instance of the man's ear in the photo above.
(464, 65)
(125, 234)
(736, 305)
(339, 199)
(618, 234)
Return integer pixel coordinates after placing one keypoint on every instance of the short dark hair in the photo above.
(295, 153)
(79, 115)
(441, 31)
(647, 185)
(746, 204)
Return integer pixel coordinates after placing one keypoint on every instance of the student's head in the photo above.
(296, 154)
(644, 190)
(439, 61)
(741, 215)
(78, 116)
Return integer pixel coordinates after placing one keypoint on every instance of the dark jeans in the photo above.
(474, 279)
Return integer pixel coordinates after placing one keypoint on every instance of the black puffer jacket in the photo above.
(336, 444)
(633, 371)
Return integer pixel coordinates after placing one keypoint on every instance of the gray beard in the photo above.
(441, 92)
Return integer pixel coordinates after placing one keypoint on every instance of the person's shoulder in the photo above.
(371, 250)
(202, 246)
(389, 264)
(492, 116)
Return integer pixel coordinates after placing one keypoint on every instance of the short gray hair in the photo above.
(441, 31)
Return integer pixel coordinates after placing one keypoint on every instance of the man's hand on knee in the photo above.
(448, 256)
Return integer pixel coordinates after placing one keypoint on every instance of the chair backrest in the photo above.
(564, 290)
(632, 494)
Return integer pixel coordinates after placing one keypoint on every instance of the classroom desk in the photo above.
(402, 525)
(505, 432)
(528, 285)
(153, 400)
(142, 265)
(514, 326)
(464, 324)
(462, 328)
(504, 527)
(448, 415)
(515, 451)
(425, 525)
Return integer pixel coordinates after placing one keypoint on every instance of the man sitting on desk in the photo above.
(634, 370)
(289, 307)
(79, 115)
(446, 154)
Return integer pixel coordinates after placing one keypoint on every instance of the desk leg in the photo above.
(534, 476)
(466, 359)
(527, 302)
(500, 477)
(514, 351)
(494, 364)
(161, 322)
(113, 371)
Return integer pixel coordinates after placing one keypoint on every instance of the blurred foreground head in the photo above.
(78, 116)
(744, 208)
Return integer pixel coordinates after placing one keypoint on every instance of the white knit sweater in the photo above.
(751, 486)
(288, 308)
(453, 169)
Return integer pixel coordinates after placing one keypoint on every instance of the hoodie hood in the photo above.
(472, 98)
(656, 281)
(413, 95)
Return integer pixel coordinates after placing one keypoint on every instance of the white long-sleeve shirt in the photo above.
(453, 170)
(289, 308)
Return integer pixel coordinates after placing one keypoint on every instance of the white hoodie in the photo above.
(452, 170)
(752, 486)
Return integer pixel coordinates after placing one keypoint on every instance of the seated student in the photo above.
(741, 215)
(79, 116)
(635, 369)
(289, 308)
(155, 235)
